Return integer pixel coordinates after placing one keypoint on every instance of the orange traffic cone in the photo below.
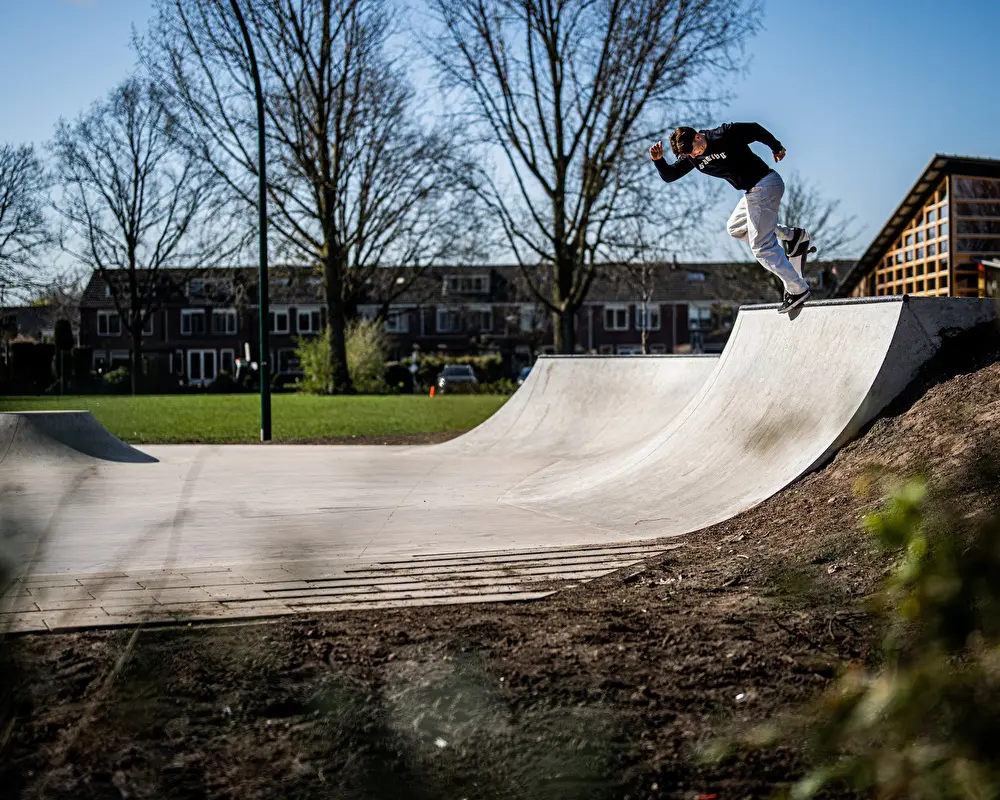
(432, 391)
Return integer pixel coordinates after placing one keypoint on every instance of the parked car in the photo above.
(456, 378)
(523, 375)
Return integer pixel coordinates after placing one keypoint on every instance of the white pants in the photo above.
(755, 221)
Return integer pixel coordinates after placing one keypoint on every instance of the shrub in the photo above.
(31, 365)
(117, 380)
(366, 356)
(924, 722)
(83, 361)
(502, 386)
(365, 360)
(314, 358)
(224, 383)
(488, 368)
(398, 379)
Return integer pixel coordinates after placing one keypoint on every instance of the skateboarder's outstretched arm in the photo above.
(748, 132)
(669, 172)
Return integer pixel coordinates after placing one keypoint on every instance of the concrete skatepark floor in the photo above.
(600, 691)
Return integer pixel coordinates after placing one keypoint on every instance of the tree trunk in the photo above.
(136, 357)
(336, 330)
(564, 331)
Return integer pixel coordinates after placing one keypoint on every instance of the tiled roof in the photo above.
(729, 282)
(285, 284)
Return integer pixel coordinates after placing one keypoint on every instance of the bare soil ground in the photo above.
(605, 691)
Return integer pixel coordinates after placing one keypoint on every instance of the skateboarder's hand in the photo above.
(779, 155)
(656, 151)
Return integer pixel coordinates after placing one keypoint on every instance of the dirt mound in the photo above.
(604, 691)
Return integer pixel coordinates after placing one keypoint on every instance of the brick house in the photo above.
(204, 323)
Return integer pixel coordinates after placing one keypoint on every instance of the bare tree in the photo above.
(135, 203)
(805, 206)
(569, 94)
(25, 233)
(357, 184)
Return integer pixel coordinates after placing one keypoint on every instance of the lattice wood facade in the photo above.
(937, 240)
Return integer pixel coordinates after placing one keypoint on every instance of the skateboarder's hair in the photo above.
(682, 140)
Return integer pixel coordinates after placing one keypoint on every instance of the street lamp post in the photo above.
(263, 363)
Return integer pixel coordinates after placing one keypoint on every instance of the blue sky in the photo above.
(861, 92)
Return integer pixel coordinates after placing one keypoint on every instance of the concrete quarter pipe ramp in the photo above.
(61, 436)
(582, 406)
(567, 476)
(787, 393)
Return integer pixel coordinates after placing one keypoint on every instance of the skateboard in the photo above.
(799, 261)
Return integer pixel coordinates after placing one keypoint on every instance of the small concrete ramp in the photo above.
(60, 437)
(787, 393)
(584, 406)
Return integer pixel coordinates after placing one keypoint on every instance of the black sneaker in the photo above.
(792, 301)
(798, 244)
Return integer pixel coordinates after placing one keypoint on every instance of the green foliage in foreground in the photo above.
(924, 725)
(236, 417)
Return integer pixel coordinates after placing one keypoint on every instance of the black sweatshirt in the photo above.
(728, 156)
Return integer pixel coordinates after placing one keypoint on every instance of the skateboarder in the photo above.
(724, 152)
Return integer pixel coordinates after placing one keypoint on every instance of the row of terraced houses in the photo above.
(944, 239)
(204, 323)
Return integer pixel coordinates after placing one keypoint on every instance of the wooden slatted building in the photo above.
(941, 239)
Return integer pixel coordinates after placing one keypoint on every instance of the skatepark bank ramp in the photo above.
(784, 396)
(787, 393)
(584, 406)
(61, 436)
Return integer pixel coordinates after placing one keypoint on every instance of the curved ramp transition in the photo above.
(583, 406)
(60, 436)
(787, 393)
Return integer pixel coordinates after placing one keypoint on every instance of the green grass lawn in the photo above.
(236, 417)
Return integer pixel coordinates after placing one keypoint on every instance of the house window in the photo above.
(931, 215)
(192, 322)
(932, 249)
(696, 277)
(658, 349)
(647, 318)
(699, 317)
(616, 318)
(100, 361)
(288, 362)
(227, 361)
(943, 228)
(177, 362)
(467, 284)
(397, 322)
(119, 358)
(147, 325)
(201, 367)
(196, 287)
(224, 321)
(448, 320)
(629, 349)
(308, 320)
(532, 318)
(279, 321)
(109, 323)
(480, 319)
(606, 349)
